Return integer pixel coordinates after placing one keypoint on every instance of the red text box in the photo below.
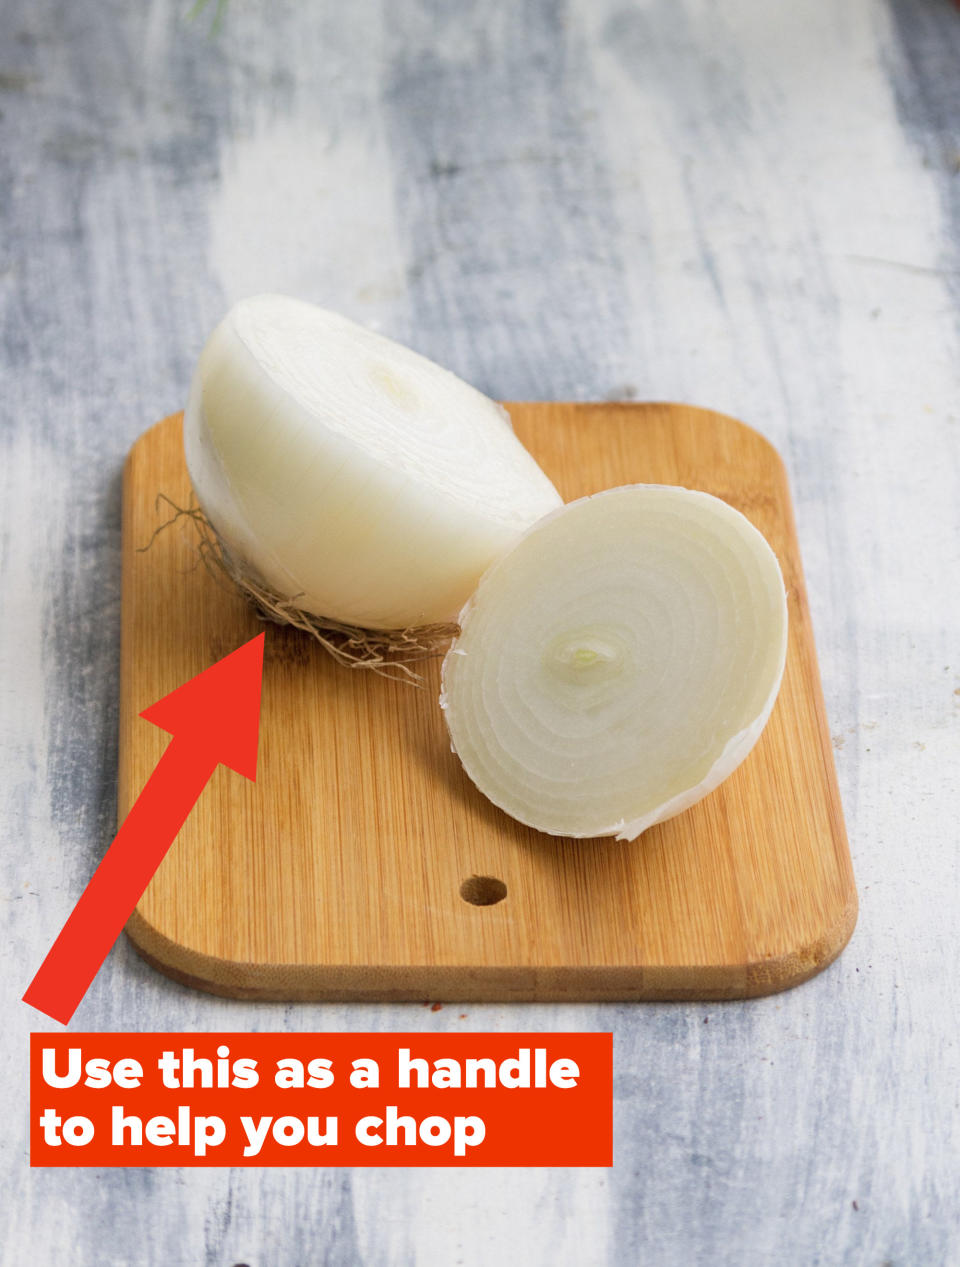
(321, 1099)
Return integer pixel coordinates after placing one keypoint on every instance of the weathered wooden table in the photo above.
(750, 207)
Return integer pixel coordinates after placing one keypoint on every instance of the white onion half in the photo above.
(347, 472)
(619, 662)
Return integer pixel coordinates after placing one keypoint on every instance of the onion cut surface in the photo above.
(619, 662)
(348, 473)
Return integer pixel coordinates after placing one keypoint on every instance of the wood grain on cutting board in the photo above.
(340, 873)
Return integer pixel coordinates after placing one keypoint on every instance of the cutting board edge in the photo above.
(459, 983)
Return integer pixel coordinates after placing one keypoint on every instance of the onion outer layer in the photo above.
(348, 473)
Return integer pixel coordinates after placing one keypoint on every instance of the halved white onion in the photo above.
(347, 472)
(618, 662)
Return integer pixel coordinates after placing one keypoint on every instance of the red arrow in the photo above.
(214, 718)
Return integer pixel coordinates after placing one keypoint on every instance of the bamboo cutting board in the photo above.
(363, 864)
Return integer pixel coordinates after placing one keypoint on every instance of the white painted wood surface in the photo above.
(749, 206)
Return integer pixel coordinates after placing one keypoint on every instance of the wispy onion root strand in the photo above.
(387, 652)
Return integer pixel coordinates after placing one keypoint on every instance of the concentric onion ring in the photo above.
(618, 662)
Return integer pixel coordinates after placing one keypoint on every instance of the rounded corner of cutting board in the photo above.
(187, 965)
(794, 967)
(157, 431)
(743, 434)
(752, 434)
(163, 438)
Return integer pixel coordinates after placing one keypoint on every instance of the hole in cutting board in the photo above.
(483, 890)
